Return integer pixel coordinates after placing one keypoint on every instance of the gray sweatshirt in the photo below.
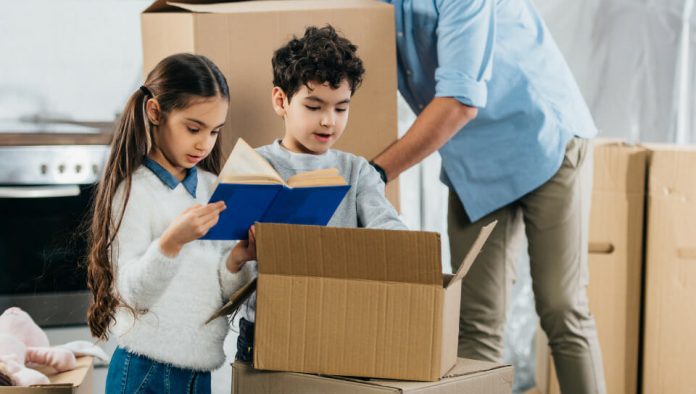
(363, 206)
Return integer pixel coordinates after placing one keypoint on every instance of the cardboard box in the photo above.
(356, 302)
(77, 381)
(615, 265)
(240, 37)
(468, 376)
(670, 316)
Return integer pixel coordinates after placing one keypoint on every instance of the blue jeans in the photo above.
(245, 341)
(131, 373)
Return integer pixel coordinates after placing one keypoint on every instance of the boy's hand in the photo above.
(244, 251)
(191, 224)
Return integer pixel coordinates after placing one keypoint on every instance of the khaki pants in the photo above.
(554, 218)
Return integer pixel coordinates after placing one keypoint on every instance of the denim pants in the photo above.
(245, 341)
(131, 373)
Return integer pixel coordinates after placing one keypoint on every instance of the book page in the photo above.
(325, 177)
(245, 165)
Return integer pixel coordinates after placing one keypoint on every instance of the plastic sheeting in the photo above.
(634, 62)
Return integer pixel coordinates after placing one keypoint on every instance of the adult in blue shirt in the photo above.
(495, 97)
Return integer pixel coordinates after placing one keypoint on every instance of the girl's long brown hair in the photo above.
(176, 82)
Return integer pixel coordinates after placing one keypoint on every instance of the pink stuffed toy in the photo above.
(23, 344)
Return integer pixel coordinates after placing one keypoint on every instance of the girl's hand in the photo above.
(191, 224)
(242, 252)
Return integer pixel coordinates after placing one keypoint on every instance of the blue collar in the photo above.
(190, 182)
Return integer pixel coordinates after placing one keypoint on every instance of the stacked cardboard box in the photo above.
(468, 376)
(670, 316)
(362, 303)
(240, 38)
(615, 266)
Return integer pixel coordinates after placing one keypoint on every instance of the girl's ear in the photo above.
(279, 99)
(152, 109)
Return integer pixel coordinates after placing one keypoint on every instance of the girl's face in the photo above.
(315, 118)
(188, 135)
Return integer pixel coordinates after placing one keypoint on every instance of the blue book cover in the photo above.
(254, 192)
(248, 204)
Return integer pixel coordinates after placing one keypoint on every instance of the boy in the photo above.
(314, 78)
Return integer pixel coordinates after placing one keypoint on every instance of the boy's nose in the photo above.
(328, 121)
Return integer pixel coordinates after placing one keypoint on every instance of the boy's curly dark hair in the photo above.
(320, 56)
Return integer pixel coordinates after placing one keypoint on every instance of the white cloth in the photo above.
(85, 348)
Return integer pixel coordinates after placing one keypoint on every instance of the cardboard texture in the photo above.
(240, 37)
(468, 376)
(356, 302)
(669, 344)
(615, 266)
(76, 381)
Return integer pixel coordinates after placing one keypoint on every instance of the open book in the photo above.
(254, 192)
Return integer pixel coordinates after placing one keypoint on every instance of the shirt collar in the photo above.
(190, 182)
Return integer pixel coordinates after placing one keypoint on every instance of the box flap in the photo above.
(165, 6)
(623, 168)
(224, 7)
(473, 252)
(671, 173)
(236, 300)
(349, 253)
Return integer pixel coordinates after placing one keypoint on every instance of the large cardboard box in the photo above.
(615, 265)
(76, 381)
(468, 376)
(670, 314)
(356, 302)
(240, 37)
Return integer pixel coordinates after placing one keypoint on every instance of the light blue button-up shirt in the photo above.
(497, 56)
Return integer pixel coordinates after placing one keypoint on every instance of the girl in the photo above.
(153, 287)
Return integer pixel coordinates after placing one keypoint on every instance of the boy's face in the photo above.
(315, 117)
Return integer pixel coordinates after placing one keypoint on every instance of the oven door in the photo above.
(43, 250)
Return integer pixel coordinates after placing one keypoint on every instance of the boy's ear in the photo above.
(152, 109)
(279, 101)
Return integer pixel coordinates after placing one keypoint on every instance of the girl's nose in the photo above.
(204, 143)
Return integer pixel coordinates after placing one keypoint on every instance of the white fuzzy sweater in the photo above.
(176, 295)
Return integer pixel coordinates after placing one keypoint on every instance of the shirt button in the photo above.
(420, 106)
(400, 34)
(408, 72)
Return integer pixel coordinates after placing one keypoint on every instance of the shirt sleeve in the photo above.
(143, 272)
(465, 43)
(374, 210)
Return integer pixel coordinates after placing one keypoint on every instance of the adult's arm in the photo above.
(465, 42)
(440, 120)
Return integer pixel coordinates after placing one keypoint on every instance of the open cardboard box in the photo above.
(356, 302)
(76, 381)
